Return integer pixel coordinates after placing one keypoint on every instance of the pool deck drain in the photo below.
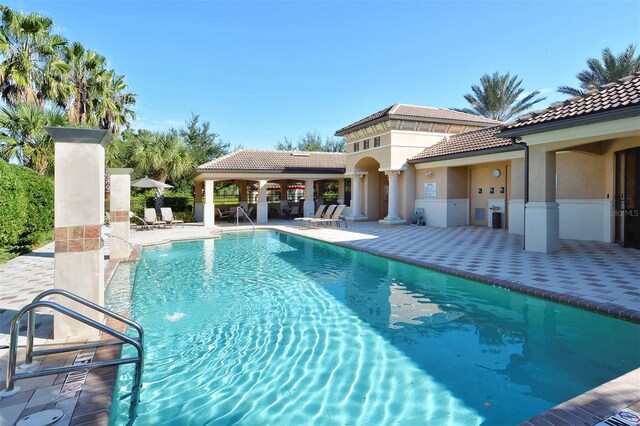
(594, 276)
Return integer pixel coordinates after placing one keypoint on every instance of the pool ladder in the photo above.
(240, 209)
(136, 342)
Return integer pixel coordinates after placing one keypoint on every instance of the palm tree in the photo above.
(31, 68)
(609, 70)
(160, 155)
(23, 136)
(499, 97)
(113, 105)
(85, 67)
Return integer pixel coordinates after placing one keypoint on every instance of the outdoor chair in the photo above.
(295, 211)
(167, 216)
(151, 218)
(335, 217)
(318, 215)
(222, 215)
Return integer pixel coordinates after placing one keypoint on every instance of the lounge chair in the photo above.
(151, 218)
(326, 215)
(336, 217)
(318, 215)
(222, 215)
(167, 216)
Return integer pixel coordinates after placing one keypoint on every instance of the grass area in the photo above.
(6, 255)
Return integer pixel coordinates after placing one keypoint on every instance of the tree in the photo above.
(609, 70)
(112, 103)
(161, 155)
(312, 141)
(202, 141)
(31, 69)
(499, 97)
(85, 68)
(23, 136)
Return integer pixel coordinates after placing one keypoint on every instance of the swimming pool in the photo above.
(272, 328)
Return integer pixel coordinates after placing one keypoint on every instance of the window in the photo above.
(366, 144)
(376, 141)
(356, 147)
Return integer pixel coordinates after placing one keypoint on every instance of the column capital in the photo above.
(77, 135)
(392, 172)
(119, 171)
(356, 173)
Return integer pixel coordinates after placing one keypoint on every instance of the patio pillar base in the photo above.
(542, 227)
(356, 218)
(262, 215)
(392, 221)
(309, 208)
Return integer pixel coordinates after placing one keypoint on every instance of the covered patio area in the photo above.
(268, 185)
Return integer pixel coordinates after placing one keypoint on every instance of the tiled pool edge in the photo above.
(595, 405)
(590, 407)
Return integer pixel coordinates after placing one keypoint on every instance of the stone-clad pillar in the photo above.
(542, 214)
(262, 215)
(198, 206)
(119, 206)
(309, 204)
(209, 209)
(79, 216)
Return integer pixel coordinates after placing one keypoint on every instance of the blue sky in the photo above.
(260, 71)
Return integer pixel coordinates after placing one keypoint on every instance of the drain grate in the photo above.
(42, 418)
(624, 417)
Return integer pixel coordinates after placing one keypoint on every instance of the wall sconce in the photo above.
(479, 190)
(429, 173)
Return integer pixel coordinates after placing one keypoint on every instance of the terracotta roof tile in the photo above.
(473, 141)
(621, 94)
(418, 113)
(248, 160)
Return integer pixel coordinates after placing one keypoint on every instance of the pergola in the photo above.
(249, 168)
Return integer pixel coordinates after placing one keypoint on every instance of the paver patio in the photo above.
(582, 270)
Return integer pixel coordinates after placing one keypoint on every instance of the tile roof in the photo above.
(418, 113)
(251, 160)
(622, 94)
(468, 142)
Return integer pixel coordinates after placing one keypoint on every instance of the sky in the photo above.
(262, 71)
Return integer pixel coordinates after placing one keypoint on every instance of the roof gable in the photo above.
(254, 160)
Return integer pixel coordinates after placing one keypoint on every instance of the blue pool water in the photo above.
(271, 328)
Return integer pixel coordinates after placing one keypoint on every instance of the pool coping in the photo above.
(590, 407)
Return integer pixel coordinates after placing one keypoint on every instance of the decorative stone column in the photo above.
(340, 191)
(392, 217)
(209, 208)
(198, 212)
(262, 216)
(243, 195)
(119, 206)
(542, 213)
(79, 216)
(355, 196)
(309, 204)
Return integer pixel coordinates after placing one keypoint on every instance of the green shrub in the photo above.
(40, 205)
(13, 206)
(187, 217)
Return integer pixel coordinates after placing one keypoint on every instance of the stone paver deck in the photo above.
(589, 274)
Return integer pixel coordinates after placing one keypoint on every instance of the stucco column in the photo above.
(309, 205)
(542, 214)
(198, 207)
(79, 216)
(209, 208)
(355, 195)
(284, 185)
(243, 195)
(262, 216)
(119, 206)
(340, 191)
(392, 213)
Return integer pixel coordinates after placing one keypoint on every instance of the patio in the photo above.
(594, 275)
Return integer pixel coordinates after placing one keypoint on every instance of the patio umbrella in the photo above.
(146, 182)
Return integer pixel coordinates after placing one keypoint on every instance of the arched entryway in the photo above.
(374, 188)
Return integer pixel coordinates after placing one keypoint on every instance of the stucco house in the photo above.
(568, 171)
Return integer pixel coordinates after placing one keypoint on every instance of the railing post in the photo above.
(31, 330)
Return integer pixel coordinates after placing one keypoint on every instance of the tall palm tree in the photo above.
(23, 136)
(499, 97)
(85, 68)
(113, 107)
(30, 63)
(160, 155)
(609, 70)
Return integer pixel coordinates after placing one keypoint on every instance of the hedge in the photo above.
(26, 207)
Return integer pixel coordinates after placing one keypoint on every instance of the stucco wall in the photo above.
(580, 176)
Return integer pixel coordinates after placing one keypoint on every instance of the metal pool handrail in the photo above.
(12, 376)
(239, 208)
